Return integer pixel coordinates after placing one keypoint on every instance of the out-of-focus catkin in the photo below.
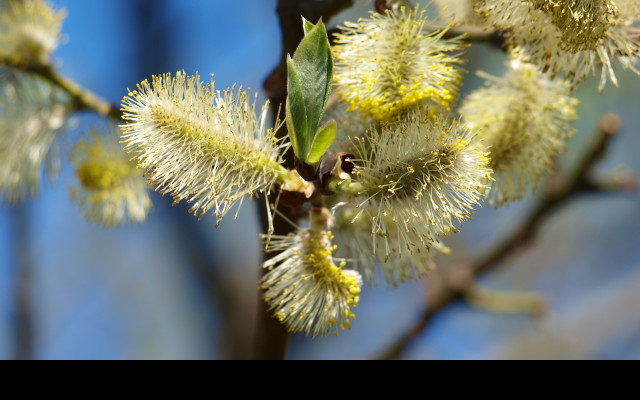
(30, 30)
(525, 119)
(110, 188)
(33, 115)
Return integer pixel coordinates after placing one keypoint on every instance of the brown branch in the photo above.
(444, 291)
(270, 336)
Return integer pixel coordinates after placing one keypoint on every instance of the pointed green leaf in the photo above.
(307, 26)
(310, 78)
(324, 138)
(297, 113)
(314, 65)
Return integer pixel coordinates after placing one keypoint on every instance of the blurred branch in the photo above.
(221, 292)
(507, 302)
(622, 181)
(444, 291)
(22, 305)
(270, 336)
(84, 99)
(477, 34)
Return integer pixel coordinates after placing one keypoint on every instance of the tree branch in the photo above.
(442, 292)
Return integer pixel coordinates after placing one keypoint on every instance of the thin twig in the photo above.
(443, 292)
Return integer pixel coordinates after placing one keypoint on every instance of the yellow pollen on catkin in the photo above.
(420, 180)
(202, 146)
(304, 287)
(571, 39)
(386, 66)
(582, 23)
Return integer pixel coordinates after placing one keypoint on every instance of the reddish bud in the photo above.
(308, 172)
(336, 165)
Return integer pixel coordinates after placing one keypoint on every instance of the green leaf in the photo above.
(314, 66)
(307, 26)
(291, 128)
(324, 138)
(310, 77)
(296, 112)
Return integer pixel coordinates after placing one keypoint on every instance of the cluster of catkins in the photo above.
(410, 164)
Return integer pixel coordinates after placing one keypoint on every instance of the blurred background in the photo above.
(177, 288)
